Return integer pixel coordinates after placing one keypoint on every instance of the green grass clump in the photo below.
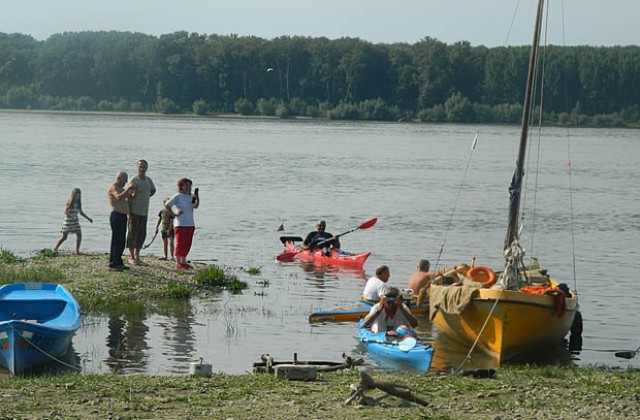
(178, 291)
(235, 286)
(8, 257)
(254, 271)
(45, 253)
(20, 274)
(211, 276)
(217, 277)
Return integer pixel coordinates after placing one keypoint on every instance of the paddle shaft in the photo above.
(365, 225)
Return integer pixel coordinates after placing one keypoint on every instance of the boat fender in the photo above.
(483, 275)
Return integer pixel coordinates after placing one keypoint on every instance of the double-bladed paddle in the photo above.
(365, 225)
(405, 344)
(287, 256)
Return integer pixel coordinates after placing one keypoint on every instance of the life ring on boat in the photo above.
(483, 275)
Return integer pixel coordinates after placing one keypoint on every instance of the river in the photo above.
(423, 182)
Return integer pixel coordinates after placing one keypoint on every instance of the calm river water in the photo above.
(422, 182)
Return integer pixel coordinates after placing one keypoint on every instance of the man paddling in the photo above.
(319, 238)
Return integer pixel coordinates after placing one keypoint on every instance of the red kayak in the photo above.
(317, 256)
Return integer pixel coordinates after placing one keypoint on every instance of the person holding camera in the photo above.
(184, 225)
(391, 314)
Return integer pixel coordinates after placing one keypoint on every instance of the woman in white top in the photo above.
(181, 206)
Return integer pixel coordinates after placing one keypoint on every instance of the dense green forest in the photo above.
(345, 78)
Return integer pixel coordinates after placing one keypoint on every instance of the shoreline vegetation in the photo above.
(581, 121)
(585, 121)
(289, 77)
(526, 392)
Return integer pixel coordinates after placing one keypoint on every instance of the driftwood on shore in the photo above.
(399, 391)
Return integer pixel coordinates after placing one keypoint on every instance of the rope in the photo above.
(455, 202)
(467, 358)
(31, 343)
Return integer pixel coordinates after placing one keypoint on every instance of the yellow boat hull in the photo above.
(508, 322)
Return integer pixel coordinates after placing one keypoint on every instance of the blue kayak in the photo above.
(417, 357)
(37, 322)
(357, 310)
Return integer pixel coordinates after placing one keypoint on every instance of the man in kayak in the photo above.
(421, 278)
(321, 239)
(391, 314)
(376, 286)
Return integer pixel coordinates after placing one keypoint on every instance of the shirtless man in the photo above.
(421, 278)
(119, 207)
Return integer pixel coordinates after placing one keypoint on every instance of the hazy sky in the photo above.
(481, 22)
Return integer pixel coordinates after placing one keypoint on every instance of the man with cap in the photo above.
(391, 314)
(317, 238)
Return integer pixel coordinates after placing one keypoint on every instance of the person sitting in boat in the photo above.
(421, 279)
(391, 314)
(320, 239)
(376, 286)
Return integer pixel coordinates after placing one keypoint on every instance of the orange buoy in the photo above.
(483, 275)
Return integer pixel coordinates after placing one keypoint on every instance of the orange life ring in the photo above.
(483, 275)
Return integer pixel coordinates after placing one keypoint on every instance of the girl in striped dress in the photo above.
(72, 211)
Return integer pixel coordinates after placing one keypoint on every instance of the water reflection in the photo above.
(68, 363)
(127, 343)
(450, 356)
(319, 271)
(178, 337)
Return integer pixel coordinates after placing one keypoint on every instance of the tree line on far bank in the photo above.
(345, 78)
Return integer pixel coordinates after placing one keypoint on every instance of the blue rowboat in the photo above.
(357, 310)
(37, 322)
(392, 351)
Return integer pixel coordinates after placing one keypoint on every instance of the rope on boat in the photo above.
(31, 343)
(467, 358)
(455, 202)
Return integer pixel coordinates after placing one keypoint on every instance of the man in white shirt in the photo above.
(376, 285)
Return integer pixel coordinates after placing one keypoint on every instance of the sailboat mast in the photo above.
(516, 182)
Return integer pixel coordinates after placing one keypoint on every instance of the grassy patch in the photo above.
(178, 291)
(8, 257)
(141, 289)
(215, 276)
(515, 393)
(254, 271)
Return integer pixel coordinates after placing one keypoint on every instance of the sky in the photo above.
(480, 22)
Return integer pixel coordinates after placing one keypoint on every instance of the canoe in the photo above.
(334, 257)
(357, 310)
(378, 345)
(37, 322)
